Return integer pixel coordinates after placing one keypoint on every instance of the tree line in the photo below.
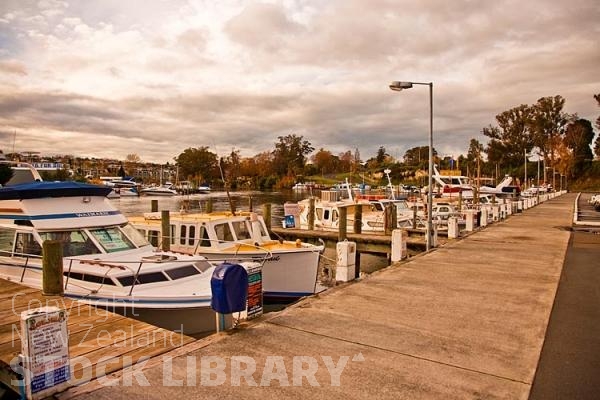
(542, 131)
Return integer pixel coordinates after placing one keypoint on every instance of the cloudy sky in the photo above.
(107, 78)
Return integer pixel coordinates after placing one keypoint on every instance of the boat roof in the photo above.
(196, 217)
(39, 190)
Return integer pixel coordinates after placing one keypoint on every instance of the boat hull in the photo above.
(286, 275)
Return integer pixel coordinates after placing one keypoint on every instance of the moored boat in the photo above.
(290, 268)
(107, 263)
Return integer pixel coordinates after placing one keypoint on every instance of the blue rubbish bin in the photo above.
(229, 285)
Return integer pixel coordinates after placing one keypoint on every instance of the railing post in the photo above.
(165, 228)
(52, 268)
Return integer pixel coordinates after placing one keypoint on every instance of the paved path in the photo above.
(466, 321)
(569, 366)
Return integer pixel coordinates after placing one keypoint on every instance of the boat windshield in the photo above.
(136, 237)
(74, 242)
(112, 239)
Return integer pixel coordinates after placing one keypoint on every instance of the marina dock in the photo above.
(99, 340)
(465, 321)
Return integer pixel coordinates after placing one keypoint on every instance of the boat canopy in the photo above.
(39, 190)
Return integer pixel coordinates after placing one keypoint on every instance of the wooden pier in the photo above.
(100, 342)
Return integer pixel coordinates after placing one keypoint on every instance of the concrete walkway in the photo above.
(466, 321)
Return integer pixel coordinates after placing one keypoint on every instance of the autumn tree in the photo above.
(548, 124)
(578, 138)
(324, 161)
(199, 163)
(511, 138)
(290, 154)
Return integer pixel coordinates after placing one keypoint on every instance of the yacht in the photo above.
(162, 190)
(107, 263)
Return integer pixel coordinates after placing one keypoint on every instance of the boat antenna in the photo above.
(231, 207)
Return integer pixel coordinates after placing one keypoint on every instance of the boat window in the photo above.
(90, 278)
(151, 277)
(325, 215)
(223, 232)
(27, 245)
(334, 216)
(112, 239)
(205, 240)
(74, 243)
(183, 234)
(241, 230)
(173, 233)
(138, 238)
(192, 235)
(7, 237)
(182, 272)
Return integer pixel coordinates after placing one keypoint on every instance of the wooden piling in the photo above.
(357, 226)
(165, 227)
(250, 204)
(388, 219)
(52, 268)
(311, 213)
(267, 215)
(209, 205)
(343, 224)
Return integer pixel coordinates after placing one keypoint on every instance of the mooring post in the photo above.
(357, 228)
(209, 205)
(250, 203)
(311, 214)
(267, 215)
(414, 224)
(52, 268)
(388, 219)
(165, 228)
(343, 224)
(154, 205)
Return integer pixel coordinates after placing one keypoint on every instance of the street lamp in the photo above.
(398, 86)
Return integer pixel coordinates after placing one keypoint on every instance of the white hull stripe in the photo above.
(60, 216)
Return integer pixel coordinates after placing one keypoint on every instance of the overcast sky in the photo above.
(107, 78)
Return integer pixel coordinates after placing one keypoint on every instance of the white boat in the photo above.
(290, 268)
(162, 190)
(204, 189)
(107, 263)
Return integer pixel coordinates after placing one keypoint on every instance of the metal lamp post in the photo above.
(398, 86)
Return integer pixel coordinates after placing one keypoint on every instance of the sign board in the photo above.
(45, 351)
(254, 307)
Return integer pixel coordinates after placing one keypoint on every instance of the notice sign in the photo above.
(45, 349)
(255, 296)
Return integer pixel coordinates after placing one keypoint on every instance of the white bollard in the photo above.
(453, 231)
(520, 206)
(484, 217)
(495, 213)
(346, 261)
(399, 239)
(469, 220)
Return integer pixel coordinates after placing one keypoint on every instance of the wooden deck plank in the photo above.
(97, 337)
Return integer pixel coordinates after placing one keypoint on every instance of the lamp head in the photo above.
(398, 85)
